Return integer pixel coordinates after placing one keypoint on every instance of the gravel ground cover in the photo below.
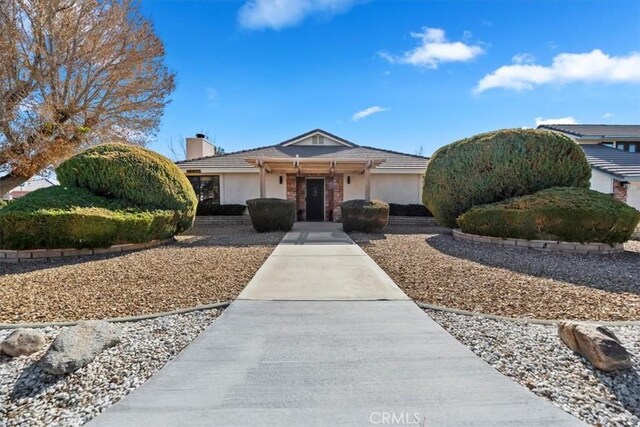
(534, 356)
(433, 268)
(30, 396)
(205, 265)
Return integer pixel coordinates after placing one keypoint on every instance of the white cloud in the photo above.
(434, 49)
(277, 14)
(569, 120)
(595, 66)
(607, 115)
(523, 58)
(367, 112)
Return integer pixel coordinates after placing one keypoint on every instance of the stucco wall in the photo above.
(391, 188)
(633, 195)
(240, 187)
(601, 182)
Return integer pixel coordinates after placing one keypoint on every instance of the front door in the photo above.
(315, 199)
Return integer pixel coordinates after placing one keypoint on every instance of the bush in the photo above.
(134, 174)
(408, 210)
(208, 207)
(495, 166)
(272, 214)
(2, 203)
(60, 217)
(364, 215)
(566, 214)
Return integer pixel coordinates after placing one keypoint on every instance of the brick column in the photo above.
(619, 192)
(338, 196)
(291, 187)
(301, 204)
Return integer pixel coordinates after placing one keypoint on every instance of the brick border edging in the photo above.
(542, 245)
(618, 323)
(41, 254)
(216, 305)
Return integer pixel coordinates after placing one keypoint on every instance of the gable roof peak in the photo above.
(295, 139)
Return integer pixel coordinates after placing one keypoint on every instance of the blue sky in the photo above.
(419, 73)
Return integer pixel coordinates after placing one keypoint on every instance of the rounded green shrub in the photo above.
(272, 214)
(134, 174)
(410, 209)
(364, 215)
(495, 166)
(565, 214)
(72, 217)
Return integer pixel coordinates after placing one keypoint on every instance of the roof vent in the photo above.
(201, 135)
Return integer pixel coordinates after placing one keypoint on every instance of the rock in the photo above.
(596, 343)
(23, 342)
(78, 345)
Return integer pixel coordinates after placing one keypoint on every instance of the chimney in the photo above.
(199, 147)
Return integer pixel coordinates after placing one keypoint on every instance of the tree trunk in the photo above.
(11, 181)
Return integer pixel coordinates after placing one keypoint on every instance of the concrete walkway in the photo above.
(318, 261)
(311, 351)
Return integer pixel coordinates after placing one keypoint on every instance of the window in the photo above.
(632, 147)
(206, 187)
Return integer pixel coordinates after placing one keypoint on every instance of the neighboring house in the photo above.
(317, 170)
(32, 184)
(613, 151)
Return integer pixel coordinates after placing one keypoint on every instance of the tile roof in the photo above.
(234, 160)
(622, 164)
(597, 131)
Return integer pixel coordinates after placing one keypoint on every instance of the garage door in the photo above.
(633, 195)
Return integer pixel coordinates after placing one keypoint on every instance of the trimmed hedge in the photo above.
(408, 210)
(134, 174)
(209, 207)
(364, 215)
(272, 214)
(495, 166)
(566, 214)
(61, 217)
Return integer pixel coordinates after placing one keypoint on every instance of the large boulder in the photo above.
(23, 342)
(78, 345)
(597, 344)
(495, 166)
(364, 215)
(139, 176)
(565, 214)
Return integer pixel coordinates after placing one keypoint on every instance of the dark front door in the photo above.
(315, 199)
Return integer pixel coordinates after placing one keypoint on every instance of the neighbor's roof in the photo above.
(596, 131)
(35, 183)
(234, 160)
(622, 164)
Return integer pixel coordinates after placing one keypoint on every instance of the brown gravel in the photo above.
(433, 268)
(204, 266)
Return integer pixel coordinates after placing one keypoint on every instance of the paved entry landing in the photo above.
(318, 261)
(278, 358)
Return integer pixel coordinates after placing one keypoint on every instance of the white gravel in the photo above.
(534, 356)
(29, 396)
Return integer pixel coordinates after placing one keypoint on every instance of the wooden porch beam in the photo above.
(367, 181)
(263, 179)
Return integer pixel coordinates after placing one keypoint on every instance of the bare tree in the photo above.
(74, 73)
